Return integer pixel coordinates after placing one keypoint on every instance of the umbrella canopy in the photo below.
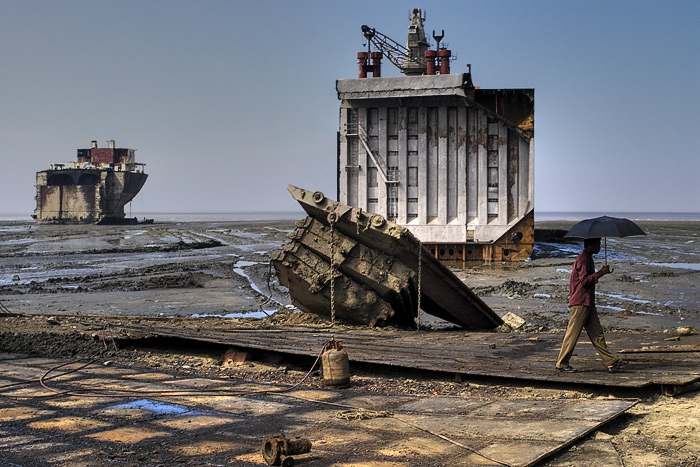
(604, 226)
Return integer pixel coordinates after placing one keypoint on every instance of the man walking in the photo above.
(583, 310)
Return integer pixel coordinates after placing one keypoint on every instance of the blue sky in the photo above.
(228, 102)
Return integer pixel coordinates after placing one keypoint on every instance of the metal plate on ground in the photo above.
(525, 356)
(202, 429)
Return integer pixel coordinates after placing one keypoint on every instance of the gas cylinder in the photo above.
(335, 365)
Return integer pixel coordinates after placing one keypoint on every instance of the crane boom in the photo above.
(414, 59)
(410, 60)
(397, 54)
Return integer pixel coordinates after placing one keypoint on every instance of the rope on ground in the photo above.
(362, 414)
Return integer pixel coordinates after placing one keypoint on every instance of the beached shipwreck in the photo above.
(91, 190)
(363, 269)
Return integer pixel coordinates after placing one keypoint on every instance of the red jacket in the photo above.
(583, 281)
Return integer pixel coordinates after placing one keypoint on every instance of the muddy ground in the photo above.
(59, 286)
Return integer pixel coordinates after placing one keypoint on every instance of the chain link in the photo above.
(420, 267)
(332, 270)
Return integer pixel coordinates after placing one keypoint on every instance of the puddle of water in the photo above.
(238, 269)
(134, 233)
(250, 235)
(159, 408)
(618, 309)
(252, 314)
(622, 297)
(694, 266)
(611, 308)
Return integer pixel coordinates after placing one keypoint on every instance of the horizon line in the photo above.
(262, 211)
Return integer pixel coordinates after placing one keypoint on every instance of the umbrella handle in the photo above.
(605, 240)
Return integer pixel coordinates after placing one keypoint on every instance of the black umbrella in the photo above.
(603, 227)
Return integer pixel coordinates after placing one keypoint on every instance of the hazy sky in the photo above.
(228, 102)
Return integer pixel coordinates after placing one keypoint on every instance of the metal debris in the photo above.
(363, 269)
(277, 450)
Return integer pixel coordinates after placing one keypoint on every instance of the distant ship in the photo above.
(92, 190)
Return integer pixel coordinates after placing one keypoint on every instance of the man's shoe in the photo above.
(617, 366)
(566, 369)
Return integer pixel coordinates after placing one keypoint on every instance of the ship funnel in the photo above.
(93, 144)
(111, 144)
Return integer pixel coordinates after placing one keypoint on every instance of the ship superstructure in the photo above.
(451, 162)
(92, 190)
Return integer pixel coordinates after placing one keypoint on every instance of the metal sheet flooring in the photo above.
(524, 356)
(135, 424)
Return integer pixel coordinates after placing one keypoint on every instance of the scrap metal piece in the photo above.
(277, 450)
(390, 279)
(308, 276)
(378, 255)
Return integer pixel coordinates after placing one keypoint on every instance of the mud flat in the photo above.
(217, 274)
(199, 269)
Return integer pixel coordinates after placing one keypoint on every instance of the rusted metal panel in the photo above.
(516, 244)
(354, 259)
(308, 278)
(102, 156)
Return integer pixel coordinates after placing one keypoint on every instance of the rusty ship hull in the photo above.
(92, 190)
(381, 261)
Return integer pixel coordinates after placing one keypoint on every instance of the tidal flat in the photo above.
(222, 269)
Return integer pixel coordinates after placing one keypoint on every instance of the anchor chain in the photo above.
(420, 264)
(331, 220)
